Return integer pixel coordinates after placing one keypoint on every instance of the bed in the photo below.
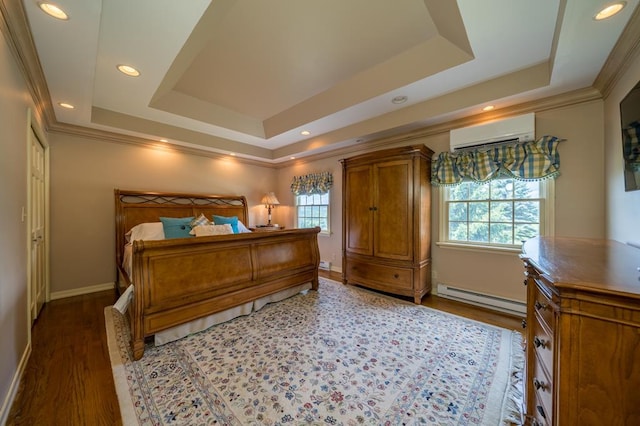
(173, 282)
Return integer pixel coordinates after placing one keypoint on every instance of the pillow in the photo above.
(146, 231)
(204, 230)
(242, 229)
(221, 220)
(176, 227)
(199, 221)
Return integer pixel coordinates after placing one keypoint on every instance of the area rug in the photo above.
(341, 355)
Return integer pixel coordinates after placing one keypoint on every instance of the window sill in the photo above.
(480, 248)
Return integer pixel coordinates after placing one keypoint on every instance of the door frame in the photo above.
(34, 125)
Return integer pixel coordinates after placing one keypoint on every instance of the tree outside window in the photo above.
(503, 212)
(313, 210)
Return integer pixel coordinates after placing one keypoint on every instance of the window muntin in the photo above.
(313, 210)
(502, 213)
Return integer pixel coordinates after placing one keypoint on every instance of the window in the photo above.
(313, 210)
(501, 213)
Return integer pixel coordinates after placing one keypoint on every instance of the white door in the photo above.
(37, 211)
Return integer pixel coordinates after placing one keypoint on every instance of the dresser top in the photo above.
(593, 265)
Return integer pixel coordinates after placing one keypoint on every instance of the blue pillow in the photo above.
(176, 227)
(233, 221)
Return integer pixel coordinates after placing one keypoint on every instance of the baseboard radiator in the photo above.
(325, 265)
(488, 301)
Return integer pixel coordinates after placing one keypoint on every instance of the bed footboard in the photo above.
(176, 281)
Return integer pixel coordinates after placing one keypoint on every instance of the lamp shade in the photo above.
(270, 199)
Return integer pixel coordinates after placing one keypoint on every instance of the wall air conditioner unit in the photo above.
(510, 130)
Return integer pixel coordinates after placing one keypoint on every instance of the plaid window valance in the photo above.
(314, 183)
(533, 160)
(631, 146)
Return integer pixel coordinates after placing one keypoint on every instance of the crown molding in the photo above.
(562, 100)
(113, 137)
(15, 26)
(625, 51)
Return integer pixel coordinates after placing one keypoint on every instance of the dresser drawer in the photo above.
(541, 415)
(542, 342)
(543, 306)
(385, 275)
(542, 385)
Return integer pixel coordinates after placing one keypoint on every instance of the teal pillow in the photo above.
(176, 227)
(232, 220)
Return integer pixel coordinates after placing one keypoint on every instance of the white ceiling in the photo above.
(247, 76)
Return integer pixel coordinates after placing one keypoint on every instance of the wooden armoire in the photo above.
(386, 216)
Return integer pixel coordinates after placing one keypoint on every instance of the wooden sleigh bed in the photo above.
(176, 281)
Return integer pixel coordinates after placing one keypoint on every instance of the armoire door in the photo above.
(359, 210)
(393, 214)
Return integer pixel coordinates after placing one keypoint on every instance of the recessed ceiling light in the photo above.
(488, 108)
(66, 105)
(233, 154)
(292, 158)
(128, 70)
(305, 133)
(399, 99)
(610, 10)
(164, 140)
(53, 10)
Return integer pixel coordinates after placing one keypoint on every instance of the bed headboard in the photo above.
(135, 207)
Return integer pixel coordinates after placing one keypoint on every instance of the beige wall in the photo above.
(14, 103)
(331, 245)
(623, 208)
(84, 173)
(579, 204)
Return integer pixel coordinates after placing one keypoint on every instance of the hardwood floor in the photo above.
(68, 378)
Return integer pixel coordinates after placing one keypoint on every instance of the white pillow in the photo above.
(204, 230)
(146, 231)
(242, 229)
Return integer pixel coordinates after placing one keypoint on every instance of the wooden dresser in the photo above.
(387, 220)
(582, 332)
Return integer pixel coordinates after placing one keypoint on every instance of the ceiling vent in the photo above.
(510, 130)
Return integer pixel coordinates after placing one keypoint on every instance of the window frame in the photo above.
(322, 231)
(547, 225)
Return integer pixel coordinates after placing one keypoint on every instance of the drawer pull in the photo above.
(540, 306)
(396, 276)
(538, 384)
(524, 323)
(541, 411)
(538, 342)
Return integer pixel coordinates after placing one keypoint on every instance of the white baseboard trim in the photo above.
(80, 291)
(15, 384)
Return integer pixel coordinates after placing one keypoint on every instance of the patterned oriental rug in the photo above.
(339, 356)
